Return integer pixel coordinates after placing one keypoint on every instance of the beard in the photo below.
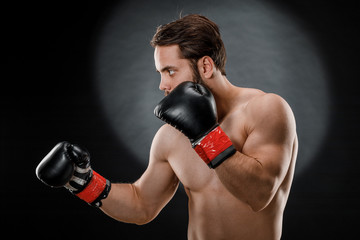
(196, 77)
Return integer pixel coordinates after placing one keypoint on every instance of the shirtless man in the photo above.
(234, 149)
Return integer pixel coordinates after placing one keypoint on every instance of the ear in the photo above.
(206, 67)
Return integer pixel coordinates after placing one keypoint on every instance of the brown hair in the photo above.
(197, 36)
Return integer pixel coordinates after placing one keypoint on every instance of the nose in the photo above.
(164, 85)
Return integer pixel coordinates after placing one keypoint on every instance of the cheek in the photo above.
(187, 75)
(179, 78)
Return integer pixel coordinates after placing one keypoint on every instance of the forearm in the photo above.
(68, 165)
(125, 205)
(246, 179)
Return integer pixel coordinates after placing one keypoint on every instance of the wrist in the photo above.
(97, 189)
(215, 147)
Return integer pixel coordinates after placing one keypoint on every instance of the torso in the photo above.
(214, 213)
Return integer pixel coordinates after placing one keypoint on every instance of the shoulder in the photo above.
(268, 105)
(164, 141)
(166, 133)
(271, 112)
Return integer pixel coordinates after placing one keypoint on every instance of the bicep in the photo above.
(158, 183)
(272, 136)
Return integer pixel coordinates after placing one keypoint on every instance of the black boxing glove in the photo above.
(67, 165)
(191, 109)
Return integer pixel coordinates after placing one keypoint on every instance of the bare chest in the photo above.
(194, 174)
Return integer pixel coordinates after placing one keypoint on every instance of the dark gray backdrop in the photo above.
(84, 72)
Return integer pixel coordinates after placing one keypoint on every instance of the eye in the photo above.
(171, 72)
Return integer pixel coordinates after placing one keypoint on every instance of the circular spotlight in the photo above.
(266, 48)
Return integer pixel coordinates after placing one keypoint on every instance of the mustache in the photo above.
(195, 80)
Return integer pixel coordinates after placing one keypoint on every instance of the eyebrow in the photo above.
(166, 68)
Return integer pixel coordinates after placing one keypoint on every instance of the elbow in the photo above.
(145, 217)
(138, 220)
(262, 198)
(140, 217)
(258, 205)
(142, 213)
(143, 221)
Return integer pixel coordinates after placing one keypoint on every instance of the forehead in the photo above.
(167, 55)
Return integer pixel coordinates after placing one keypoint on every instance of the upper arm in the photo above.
(158, 183)
(271, 136)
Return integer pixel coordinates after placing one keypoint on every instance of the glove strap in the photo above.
(97, 189)
(215, 148)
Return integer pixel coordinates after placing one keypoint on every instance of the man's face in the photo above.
(172, 68)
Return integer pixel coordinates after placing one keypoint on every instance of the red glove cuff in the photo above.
(94, 189)
(215, 147)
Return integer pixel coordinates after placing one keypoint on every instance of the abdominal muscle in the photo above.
(216, 214)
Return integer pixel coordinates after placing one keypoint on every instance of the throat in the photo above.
(224, 108)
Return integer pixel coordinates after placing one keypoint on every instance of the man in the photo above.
(234, 149)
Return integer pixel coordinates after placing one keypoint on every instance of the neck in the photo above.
(224, 93)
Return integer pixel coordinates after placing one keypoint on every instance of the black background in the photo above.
(47, 96)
